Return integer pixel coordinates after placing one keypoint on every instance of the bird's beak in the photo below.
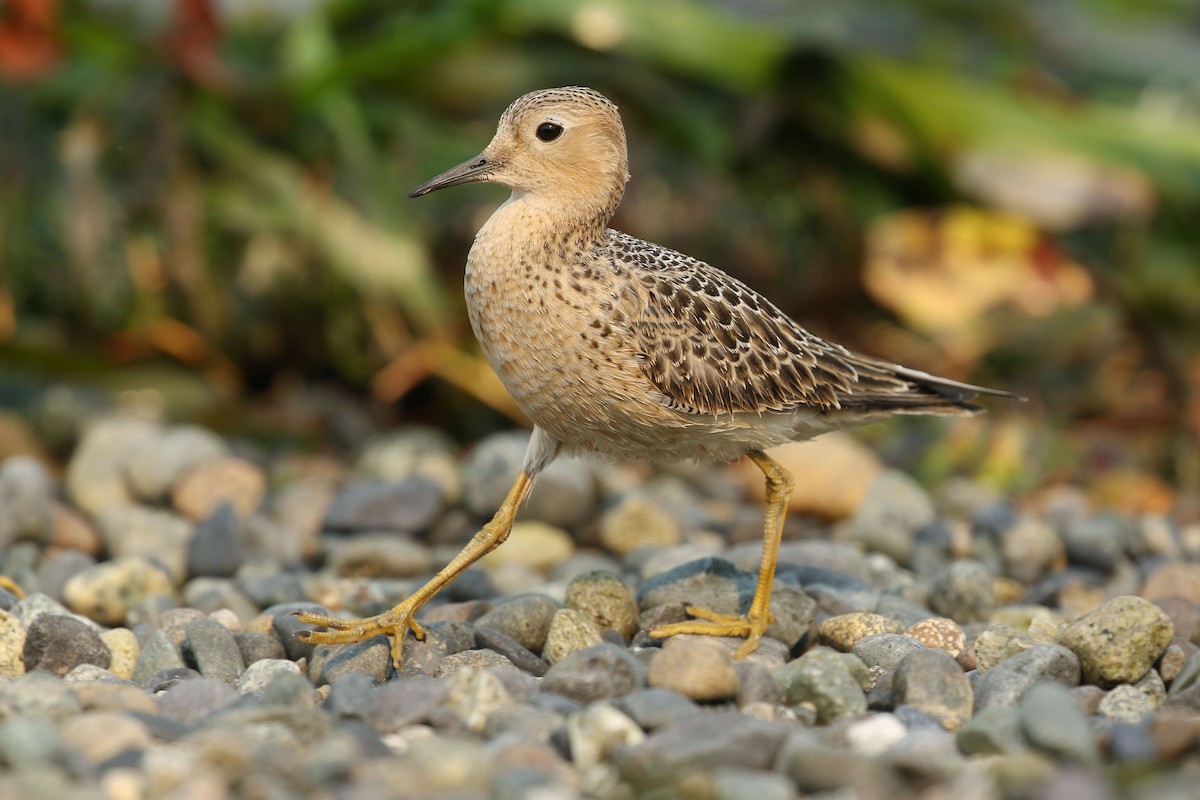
(479, 168)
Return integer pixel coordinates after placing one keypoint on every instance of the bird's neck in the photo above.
(527, 222)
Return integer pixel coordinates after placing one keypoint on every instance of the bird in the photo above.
(623, 349)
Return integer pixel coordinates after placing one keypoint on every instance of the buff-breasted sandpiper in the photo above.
(622, 348)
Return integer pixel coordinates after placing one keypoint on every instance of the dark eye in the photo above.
(549, 131)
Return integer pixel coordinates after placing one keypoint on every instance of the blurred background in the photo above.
(203, 211)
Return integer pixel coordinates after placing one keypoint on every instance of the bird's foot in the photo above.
(393, 624)
(712, 623)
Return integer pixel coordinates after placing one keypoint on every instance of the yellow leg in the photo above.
(754, 623)
(399, 620)
(12, 586)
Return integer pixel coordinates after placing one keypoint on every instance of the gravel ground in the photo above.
(945, 644)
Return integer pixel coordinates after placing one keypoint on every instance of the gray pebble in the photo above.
(563, 495)
(894, 508)
(820, 678)
(932, 682)
(158, 653)
(595, 673)
(1097, 542)
(1051, 721)
(152, 468)
(1012, 679)
(525, 721)
(441, 639)
(164, 680)
(255, 646)
(819, 768)
(95, 478)
(214, 650)
(351, 696)
(756, 684)
(410, 701)
(157, 535)
(213, 594)
(995, 730)
(287, 625)
(525, 618)
(472, 660)
(190, 702)
(963, 592)
(27, 498)
(379, 555)
(259, 674)
(28, 742)
(35, 694)
(655, 708)
(37, 605)
(722, 739)
(56, 568)
(716, 584)
(287, 688)
(736, 783)
(58, 644)
(410, 506)
(511, 649)
(217, 547)
(883, 652)
(372, 658)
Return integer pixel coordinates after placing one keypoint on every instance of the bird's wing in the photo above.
(712, 345)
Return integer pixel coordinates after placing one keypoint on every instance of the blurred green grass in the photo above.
(222, 197)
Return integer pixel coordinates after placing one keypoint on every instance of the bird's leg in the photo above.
(397, 622)
(754, 623)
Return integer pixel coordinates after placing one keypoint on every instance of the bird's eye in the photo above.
(549, 131)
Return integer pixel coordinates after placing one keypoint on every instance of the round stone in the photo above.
(963, 592)
(636, 522)
(570, 630)
(1118, 641)
(603, 597)
(525, 618)
(105, 592)
(202, 490)
(846, 630)
(58, 644)
(820, 678)
(695, 667)
(532, 544)
(939, 633)
(932, 682)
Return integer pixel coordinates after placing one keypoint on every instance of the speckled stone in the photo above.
(997, 642)
(695, 667)
(125, 649)
(158, 653)
(601, 595)
(1119, 641)
(844, 631)
(939, 633)
(12, 645)
(570, 630)
(260, 673)
(105, 592)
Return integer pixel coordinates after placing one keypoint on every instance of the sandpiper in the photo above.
(623, 348)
